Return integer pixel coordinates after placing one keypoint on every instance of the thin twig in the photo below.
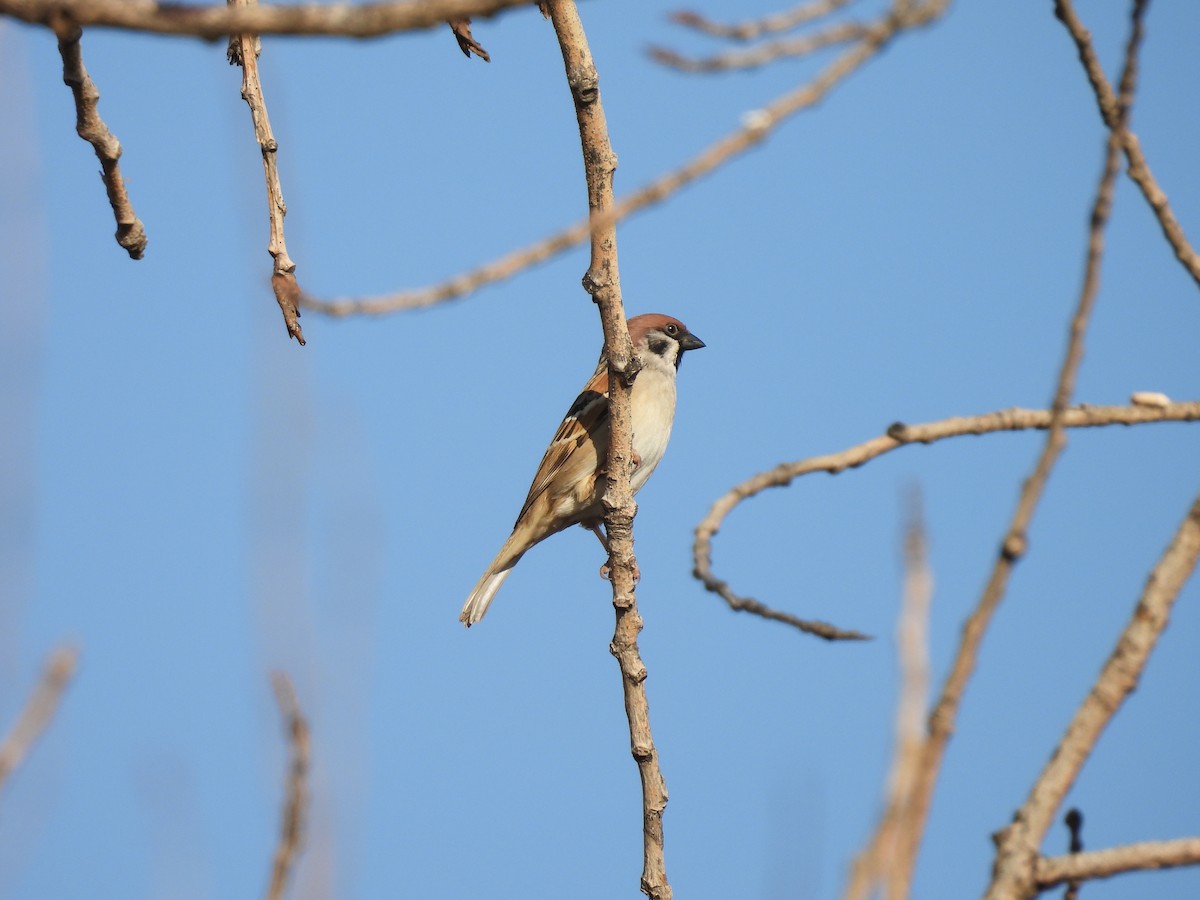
(753, 28)
(217, 21)
(295, 807)
(603, 282)
(1055, 870)
(39, 710)
(757, 126)
(1139, 169)
(130, 233)
(876, 864)
(243, 51)
(767, 52)
(900, 435)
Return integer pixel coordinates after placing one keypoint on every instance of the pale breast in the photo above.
(653, 413)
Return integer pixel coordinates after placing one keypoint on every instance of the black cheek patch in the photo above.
(659, 347)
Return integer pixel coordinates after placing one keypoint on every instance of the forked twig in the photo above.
(1139, 168)
(1016, 872)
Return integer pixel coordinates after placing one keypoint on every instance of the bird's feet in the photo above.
(605, 571)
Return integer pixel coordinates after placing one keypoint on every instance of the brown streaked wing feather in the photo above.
(587, 415)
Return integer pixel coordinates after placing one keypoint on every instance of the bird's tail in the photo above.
(481, 596)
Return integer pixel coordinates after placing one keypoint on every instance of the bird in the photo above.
(569, 482)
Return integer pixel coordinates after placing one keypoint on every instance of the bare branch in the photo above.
(1117, 680)
(295, 807)
(38, 711)
(878, 863)
(757, 125)
(243, 51)
(1015, 542)
(217, 21)
(842, 33)
(1139, 169)
(603, 282)
(130, 233)
(1056, 870)
(748, 30)
(899, 435)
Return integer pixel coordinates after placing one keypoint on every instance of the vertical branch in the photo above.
(38, 711)
(295, 809)
(243, 51)
(130, 233)
(879, 863)
(1015, 542)
(602, 281)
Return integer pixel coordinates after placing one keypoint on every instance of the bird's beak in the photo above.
(689, 341)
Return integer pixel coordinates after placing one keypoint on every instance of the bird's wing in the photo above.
(578, 445)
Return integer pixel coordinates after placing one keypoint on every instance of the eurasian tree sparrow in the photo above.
(570, 480)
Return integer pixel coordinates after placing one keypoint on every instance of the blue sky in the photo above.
(195, 501)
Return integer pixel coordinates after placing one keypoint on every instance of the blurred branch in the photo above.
(218, 21)
(901, 16)
(130, 233)
(1016, 871)
(1056, 870)
(602, 281)
(243, 51)
(39, 709)
(295, 809)
(899, 435)
(877, 864)
(1139, 169)
(768, 52)
(757, 125)
(752, 28)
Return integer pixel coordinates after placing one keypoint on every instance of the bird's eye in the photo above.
(672, 329)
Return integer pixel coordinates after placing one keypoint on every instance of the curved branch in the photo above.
(334, 20)
(900, 435)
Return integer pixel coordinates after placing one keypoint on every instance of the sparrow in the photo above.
(569, 482)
